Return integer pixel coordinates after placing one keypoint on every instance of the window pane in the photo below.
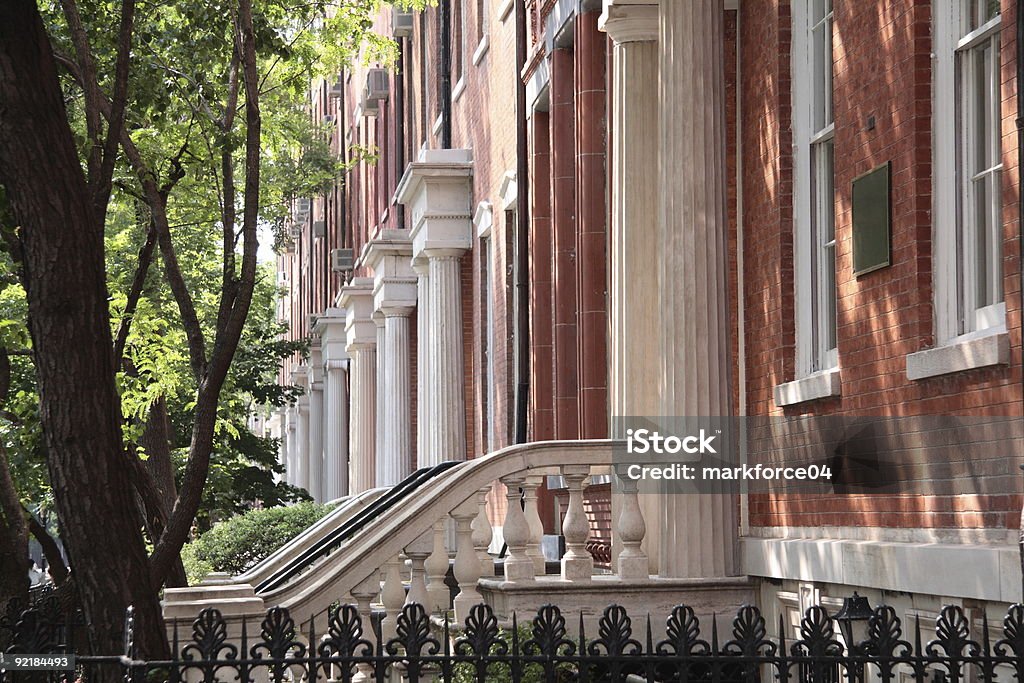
(824, 262)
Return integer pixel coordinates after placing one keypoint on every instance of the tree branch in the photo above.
(86, 70)
(115, 122)
(51, 551)
(134, 293)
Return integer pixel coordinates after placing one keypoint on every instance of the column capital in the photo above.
(394, 282)
(333, 338)
(629, 21)
(300, 376)
(438, 189)
(357, 298)
(316, 365)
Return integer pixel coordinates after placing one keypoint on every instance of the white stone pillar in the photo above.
(635, 373)
(361, 332)
(289, 442)
(698, 532)
(333, 340)
(316, 423)
(300, 378)
(394, 297)
(382, 395)
(445, 390)
(282, 436)
(424, 456)
(437, 189)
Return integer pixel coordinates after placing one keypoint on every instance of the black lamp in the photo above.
(853, 620)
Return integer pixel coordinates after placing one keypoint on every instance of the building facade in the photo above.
(756, 208)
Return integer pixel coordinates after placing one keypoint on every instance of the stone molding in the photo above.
(629, 22)
(438, 191)
(357, 299)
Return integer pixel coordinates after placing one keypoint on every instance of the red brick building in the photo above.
(769, 208)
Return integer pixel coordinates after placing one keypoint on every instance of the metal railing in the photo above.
(550, 648)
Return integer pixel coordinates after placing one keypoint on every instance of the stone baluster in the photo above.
(363, 593)
(436, 567)
(418, 551)
(518, 565)
(577, 563)
(630, 527)
(467, 564)
(392, 596)
(532, 512)
(483, 535)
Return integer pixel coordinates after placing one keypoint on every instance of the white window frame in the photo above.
(811, 205)
(959, 315)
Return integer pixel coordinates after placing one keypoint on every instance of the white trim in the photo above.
(483, 219)
(505, 9)
(481, 49)
(967, 571)
(436, 128)
(979, 350)
(460, 87)
(820, 385)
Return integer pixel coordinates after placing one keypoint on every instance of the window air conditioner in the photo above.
(341, 260)
(302, 206)
(369, 107)
(319, 228)
(336, 90)
(295, 231)
(376, 84)
(401, 24)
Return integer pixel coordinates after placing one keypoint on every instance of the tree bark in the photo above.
(64, 279)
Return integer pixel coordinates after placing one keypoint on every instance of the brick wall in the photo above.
(882, 70)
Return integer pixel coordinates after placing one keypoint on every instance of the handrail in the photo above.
(333, 540)
(314, 592)
(346, 509)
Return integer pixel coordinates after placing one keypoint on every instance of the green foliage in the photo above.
(238, 543)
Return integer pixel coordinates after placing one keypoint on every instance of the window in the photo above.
(487, 341)
(814, 187)
(968, 163)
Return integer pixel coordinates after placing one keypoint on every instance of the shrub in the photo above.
(240, 542)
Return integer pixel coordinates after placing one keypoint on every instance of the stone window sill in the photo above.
(824, 384)
(958, 355)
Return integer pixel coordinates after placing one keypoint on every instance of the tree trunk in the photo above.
(64, 278)
(156, 440)
(14, 540)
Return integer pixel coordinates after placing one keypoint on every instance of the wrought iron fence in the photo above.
(544, 648)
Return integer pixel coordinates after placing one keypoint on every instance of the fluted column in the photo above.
(438, 193)
(361, 336)
(635, 381)
(380, 461)
(394, 297)
(316, 423)
(282, 434)
(300, 378)
(397, 455)
(445, 391)
(424, 455)
(289, 446)
(698, 533)
(331, 328)
(363, 426)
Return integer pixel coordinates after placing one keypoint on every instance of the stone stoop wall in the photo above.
(883, 69)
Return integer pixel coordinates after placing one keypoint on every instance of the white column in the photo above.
(302, 441)
(698, 533)
(336, 422)
(397, 452)
(424, 455)
(289, 441)
(363, 425)
(333, 340)
(316, 423)
(635, 358)
(445, 390)
(380, 462)
(282, 435)
(361, 336)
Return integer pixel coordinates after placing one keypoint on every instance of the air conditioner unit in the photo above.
(295, 231)
(336, 90)
(376, 84)
(401, 24)
(302, 205)
(369, 108)
(342, 260)
(319, 228)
